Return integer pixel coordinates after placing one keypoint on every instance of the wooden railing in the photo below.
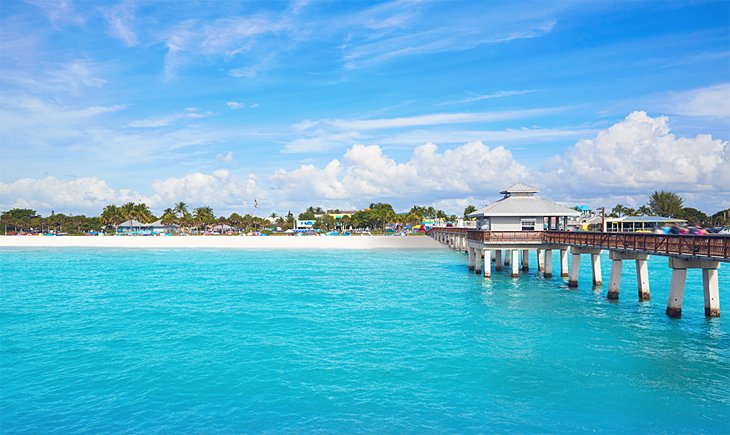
(715, 247)
(506, 236)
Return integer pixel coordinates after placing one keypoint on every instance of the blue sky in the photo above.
(342, 103)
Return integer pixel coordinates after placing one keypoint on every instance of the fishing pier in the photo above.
(541, 233)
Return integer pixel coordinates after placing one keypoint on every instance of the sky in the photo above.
(342, 103)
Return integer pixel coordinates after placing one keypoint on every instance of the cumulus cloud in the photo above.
(365, 172)
(640, 154)
(86, 193)
(217, 189)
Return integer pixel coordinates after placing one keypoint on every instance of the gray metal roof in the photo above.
(519, 188)
(524, 206)
(132, 223)
(158, 224)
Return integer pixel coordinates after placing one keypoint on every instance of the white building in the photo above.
(521, 210)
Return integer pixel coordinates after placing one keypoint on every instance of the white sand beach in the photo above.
(223, 242)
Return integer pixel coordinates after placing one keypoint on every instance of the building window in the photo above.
(528, 224)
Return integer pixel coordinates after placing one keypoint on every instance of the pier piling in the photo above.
(548, 267)
(525, 260)
(487, 264)
(515, 264)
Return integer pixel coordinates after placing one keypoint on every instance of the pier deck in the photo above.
(684, 252)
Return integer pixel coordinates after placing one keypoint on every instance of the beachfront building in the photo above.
(640, 223)
(521, 210)
(130, 226)
(157, 227)
(304, 224)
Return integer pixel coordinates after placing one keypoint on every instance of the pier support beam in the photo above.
(676, 292)
(712, 292)
(679, 268)
(614, 284)
(548, 270)
(494, 254)
(574, 269)
(515, 264)
(642, 276)
(478, 261)
(471, 252)
(642, 279)
(525, 259)
(498, 260)
(563, 262)
(507, 257)
(575, 265)
(596, 263)
(540, 260)
(487, 264)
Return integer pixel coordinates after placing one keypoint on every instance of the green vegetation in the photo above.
(666, 204)
(670, 204)
(377, 217)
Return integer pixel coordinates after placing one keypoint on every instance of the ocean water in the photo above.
(224, 341)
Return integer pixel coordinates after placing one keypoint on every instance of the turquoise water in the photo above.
(220, 341)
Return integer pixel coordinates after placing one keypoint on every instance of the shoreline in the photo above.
(222, 242)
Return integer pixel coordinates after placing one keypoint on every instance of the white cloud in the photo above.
(365, 173)
(493, 95)
(437, 119)
(59, 11)
(400, 29)
(235, 105)
(50, 193)
(120, 19)
(27, 114)
(164, 121)
(229, 38)
(713, 101)
(226, 157)
(639, 154)
(320, 141)
(218, 189)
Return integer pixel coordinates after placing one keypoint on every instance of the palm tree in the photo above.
(203, 216)
(110, 215)
(127, 211)
(168, 216)
(618, 211)
(666, 204)
(143, 214)
(469, 209)
(644, 210)
(181, 209)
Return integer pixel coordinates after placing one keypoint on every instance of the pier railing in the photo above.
(505, 236)
(714, 247)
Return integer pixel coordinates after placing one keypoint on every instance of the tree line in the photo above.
(670, 204)
(375, 216)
